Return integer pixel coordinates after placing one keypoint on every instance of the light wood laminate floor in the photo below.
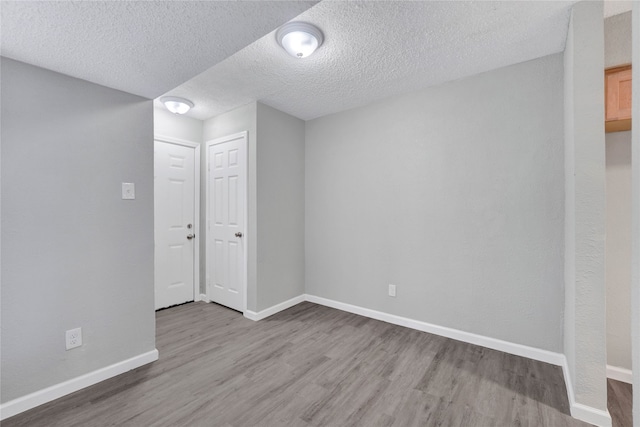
(312, 366)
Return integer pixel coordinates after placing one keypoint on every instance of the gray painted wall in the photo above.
(454, 195)
(635, 223)
(74, 253)
(280, 206)
(238, 120)
(585, 293)
(617, 42)
(618, 249)
(165, 123)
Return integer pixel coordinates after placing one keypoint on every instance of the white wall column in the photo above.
(585, 291)
(635, 212)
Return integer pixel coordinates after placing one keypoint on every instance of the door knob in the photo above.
(190, 236)
(238, 234)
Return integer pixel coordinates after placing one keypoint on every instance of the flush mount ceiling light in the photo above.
(176, 105)
(299, 39)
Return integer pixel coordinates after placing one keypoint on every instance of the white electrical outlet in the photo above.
(128, 191)
(392, 290)
(74, 338)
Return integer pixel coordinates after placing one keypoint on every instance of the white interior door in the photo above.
(174, 206)
(226, 191)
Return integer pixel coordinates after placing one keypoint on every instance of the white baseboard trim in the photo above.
(24, 403)
(579, 411)
(273, 309)
(468, 337)
(590, 415)
(204, 298)
(620, 374)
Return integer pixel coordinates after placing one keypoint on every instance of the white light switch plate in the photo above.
(392, 290)
(128, 191)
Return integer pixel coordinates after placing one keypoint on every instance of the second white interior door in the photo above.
(174, 191)
(226, 183)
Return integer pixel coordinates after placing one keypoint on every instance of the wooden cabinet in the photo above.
(617, 83)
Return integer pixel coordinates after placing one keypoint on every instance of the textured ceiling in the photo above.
(373, 50)
(141, 47)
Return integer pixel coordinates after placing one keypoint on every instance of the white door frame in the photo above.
(245, 237)
(196, 225)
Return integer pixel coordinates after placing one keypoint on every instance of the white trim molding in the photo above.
(468, 337)
(204, 298)
(177, 141)
(274, 309)
(546, 356)
(40, 397)
(582, 412)
(620, 374)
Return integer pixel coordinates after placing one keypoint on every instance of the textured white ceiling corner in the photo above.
(616, 7)
(142, 47)
(373, 50)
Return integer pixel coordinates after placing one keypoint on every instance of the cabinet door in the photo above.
(618, 92)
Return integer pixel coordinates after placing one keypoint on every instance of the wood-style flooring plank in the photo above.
(620, 403)
(312, 366)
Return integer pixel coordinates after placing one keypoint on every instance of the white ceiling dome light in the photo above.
(176, 105)
(299, 39)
